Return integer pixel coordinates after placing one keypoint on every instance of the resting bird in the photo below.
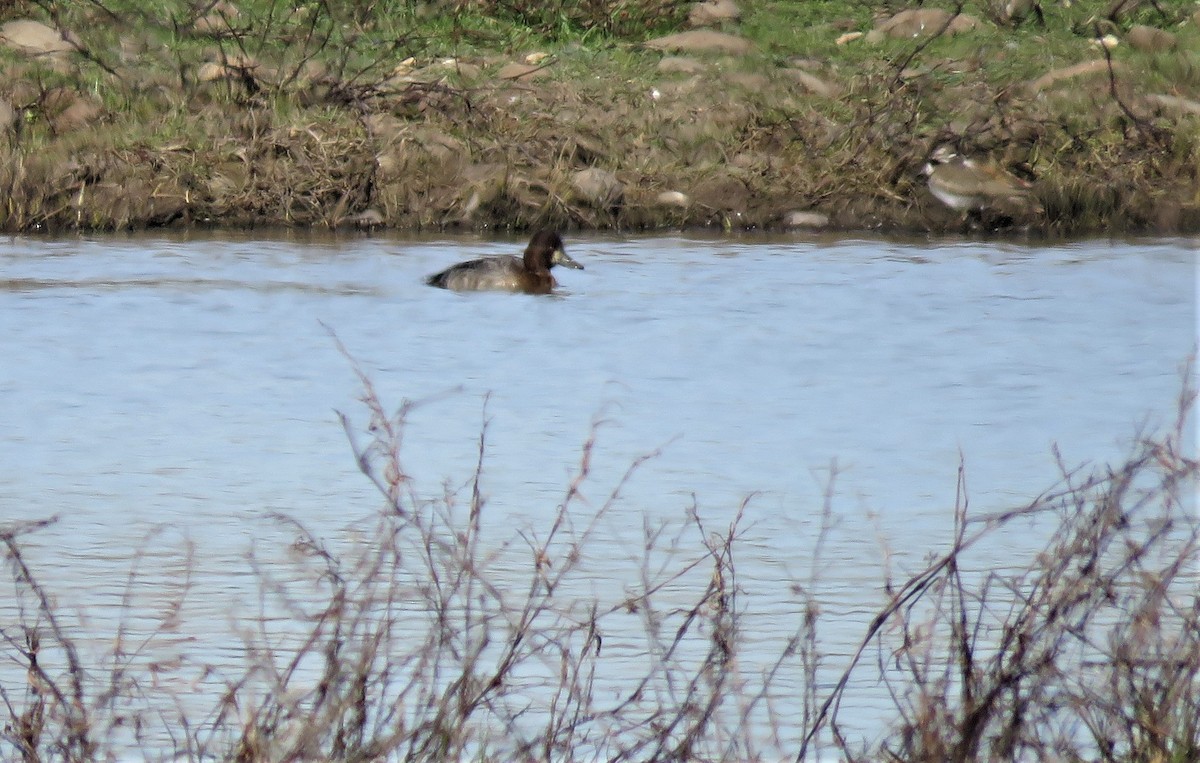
(969, 185)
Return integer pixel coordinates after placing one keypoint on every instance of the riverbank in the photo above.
(488, 115)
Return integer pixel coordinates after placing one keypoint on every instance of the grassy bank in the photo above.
(483, 114)
(420, 644)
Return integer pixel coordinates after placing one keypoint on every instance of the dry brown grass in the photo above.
(271, 118)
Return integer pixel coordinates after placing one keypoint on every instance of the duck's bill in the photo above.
(562, 258)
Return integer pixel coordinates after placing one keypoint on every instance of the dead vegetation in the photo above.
(424, 641)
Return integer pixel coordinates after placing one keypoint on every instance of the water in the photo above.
(161, 391)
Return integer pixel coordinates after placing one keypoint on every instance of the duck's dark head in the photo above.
(546, 250)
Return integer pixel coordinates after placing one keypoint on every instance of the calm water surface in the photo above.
(189, 387)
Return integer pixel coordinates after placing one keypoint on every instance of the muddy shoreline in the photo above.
(660, 134)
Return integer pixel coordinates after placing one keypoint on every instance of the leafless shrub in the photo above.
(70, 708)
(430, 640)
(1091, 652)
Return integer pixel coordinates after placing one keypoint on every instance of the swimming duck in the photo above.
(529, 274)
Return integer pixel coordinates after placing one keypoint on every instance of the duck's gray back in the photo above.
(489, 273)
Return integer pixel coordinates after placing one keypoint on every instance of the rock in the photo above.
(918, 22)
(168, 201)
(9, 118)
(1016, 11)
(82, 113)
(210, 71)
(701, 41)
(757, 162)
(388, 163)
(404, 68)
(442, 147)
(680, 65)
(466, 71)
(22, 91)
(714, 12)
(235, 68)
(598, 188)
(240, 61)
(221, 19)
(673, 199)
(523, 72)
(722, 192)
(805, 219)
(483, 185)
(1149, 39)
(407, 148)
(405, 72)
(34, 38)
(752, 81)
(67, 110)
(385, 128)
(1085, 69)
(812, 83)
(1174, 103)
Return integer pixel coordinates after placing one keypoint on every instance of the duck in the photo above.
(972, 186)
(529, 273)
